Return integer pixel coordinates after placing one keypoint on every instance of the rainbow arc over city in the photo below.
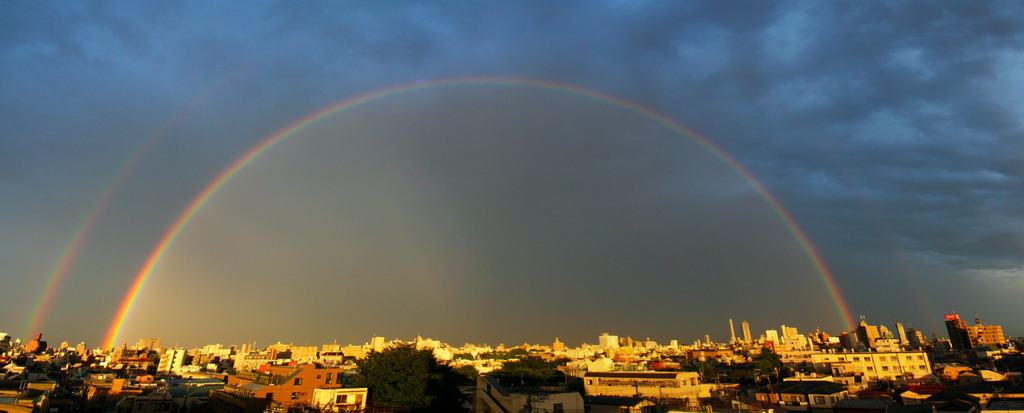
(211, 189)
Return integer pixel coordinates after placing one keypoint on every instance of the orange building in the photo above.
(284, 386)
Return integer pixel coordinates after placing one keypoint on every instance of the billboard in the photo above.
(952, 317)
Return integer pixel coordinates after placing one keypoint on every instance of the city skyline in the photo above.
(501, 171)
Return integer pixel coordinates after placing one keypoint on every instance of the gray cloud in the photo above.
(891, 132)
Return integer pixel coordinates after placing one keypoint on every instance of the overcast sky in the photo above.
(505, 212)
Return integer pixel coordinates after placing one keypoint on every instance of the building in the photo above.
(746, 331)
(171, 361)
(916, 338)
(607, 341)
(491, 396)
(959, 336)
(276, 386)
(351, 399)
(867, 335)
(870, 367)
(902, 333)
(148, 344)
(674, 385)
(983, 335)
(804, 396)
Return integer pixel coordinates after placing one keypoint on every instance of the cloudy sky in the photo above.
(560, 197)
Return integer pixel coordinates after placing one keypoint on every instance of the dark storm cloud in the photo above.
(890, 130)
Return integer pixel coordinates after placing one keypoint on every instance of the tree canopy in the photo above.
(404, 376)
(529, 371)
(768, 363)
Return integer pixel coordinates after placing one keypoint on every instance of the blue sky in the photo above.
(891, 132)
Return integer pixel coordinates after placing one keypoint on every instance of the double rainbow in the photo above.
(214, 186)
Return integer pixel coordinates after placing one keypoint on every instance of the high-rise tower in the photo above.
(732, 331)
(746, 331)
(902, 333)
(959, 337)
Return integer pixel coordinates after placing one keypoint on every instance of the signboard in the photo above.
(952, 317)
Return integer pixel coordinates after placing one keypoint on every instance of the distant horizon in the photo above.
(755, 335)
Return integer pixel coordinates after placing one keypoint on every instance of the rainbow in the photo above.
(73, 248)
(214, 186)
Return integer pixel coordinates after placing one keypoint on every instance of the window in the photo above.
(298, 381)
(359, 399)
(590, 381)
(329, 378)
(318, 377)
(856, 359)
(819, 399)
(295, 396)
(342, 399)
(885, 368)
(558, 408)
(871, 368)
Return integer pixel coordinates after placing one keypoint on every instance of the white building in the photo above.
(491, 396)
(874, 366)
(608, 341)
(677, 385)
(346, 399)
(171, 361)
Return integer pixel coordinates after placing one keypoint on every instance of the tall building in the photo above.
(732, 332)
(915, 338)
(902, 333)
(148, 344)
(608, 341)
(377, 343)
(789, 332)
(772, 335)
(746, 331)
(171, 361)
(983, 335)
(959, 337)
(867, 335)
(558, 345)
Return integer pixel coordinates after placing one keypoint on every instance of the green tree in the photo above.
(768, 364)
(404, 376)
(529, 371)
(469, 373)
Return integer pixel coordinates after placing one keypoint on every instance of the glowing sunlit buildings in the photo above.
(959, 337)
(983, 335)
(608, 341)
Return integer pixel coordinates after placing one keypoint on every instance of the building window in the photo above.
(590, 381)
(885, 368)
(295, 396)
(819, 399)
(342, 399)
(856, 359)
(298, 381)
(558, 408)
(871, 368)
(318, 377)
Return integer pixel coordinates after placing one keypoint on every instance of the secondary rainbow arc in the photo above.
(58, 273)
(268, 143)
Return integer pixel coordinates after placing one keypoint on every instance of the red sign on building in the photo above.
(952, 317)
